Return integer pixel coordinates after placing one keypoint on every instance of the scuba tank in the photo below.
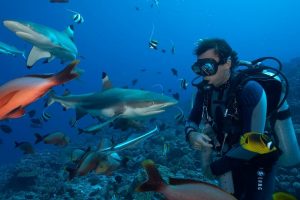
(280, 118)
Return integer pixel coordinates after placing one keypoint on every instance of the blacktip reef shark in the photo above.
(10, 50)
(113, 101)
(47, 42)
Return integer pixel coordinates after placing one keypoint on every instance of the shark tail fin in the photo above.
(67, 73)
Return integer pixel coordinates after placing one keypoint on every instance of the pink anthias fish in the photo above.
(18, 93)
(181, 189)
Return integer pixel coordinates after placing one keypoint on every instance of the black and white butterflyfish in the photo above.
(183, 83)
(153, 44)
(45, 117)
(77, 17)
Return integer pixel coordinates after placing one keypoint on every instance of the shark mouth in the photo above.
(146, 111)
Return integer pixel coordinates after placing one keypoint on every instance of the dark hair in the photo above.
(221, 48)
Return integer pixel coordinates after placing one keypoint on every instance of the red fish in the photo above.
(181, 189)
(16, 94)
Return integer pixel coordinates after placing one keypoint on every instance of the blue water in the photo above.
(114, 38)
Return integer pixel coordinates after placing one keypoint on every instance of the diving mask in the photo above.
(205, 67)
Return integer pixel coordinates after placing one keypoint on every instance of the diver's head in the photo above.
(215, 59)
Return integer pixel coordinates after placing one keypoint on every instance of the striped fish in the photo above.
(77, 17)
(153, 44)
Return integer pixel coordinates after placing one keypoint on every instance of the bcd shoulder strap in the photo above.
(271, 86)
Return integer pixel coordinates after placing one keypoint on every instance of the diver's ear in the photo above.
(227, 65)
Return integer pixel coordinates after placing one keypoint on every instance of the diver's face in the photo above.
(223, 71)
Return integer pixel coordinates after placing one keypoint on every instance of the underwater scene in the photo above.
(149, 100)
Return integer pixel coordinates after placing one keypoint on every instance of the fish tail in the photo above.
(38, 138)
(154, 182)
(17, 144)
(80, 131)
(67, 73)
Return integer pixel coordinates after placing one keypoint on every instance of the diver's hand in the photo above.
(199, 140)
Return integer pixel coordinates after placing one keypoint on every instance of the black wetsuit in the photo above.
(253, 179)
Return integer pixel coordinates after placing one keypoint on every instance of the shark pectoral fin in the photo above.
(80, 113)
(36, 54)
(16, 113)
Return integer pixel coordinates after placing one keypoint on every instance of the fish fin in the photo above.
(66, 92)
(50, 99)
(69, 31)
(106, 83)
(4, 100)
(38, 138)
(36, 54)
(16, 113)
(80, 113)
(155, 181)
(17, 144)
(71, 168)
(67, 73)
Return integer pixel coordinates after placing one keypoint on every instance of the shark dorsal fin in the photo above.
(70, 32)
(106, 84)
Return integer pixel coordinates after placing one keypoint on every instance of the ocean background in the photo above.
(114, 39)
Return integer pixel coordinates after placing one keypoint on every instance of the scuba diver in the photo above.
(247, 122)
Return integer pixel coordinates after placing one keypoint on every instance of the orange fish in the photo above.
(181, 189)
(16, 94)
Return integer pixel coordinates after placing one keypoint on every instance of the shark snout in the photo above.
(16, 26)
(12, 25)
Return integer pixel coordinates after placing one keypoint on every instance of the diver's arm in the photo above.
(196, 139)
(253, 107)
